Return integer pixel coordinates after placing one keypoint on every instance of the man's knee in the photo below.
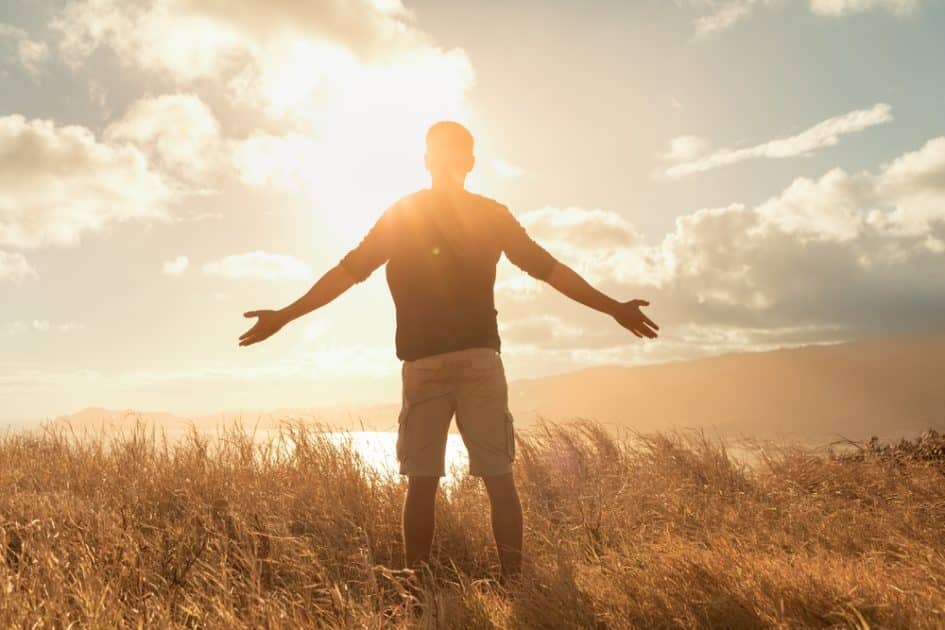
(500, 487)
(422, 487)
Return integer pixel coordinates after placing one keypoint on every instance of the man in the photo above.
(441, 246)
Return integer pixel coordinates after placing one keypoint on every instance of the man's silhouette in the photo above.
(441, 246)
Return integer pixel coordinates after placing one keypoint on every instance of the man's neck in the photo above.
(448, 185)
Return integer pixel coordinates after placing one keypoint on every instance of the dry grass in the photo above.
(659, 531)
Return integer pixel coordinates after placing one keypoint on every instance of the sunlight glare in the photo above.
(366, 148)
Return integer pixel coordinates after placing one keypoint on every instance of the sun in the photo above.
(363, 122)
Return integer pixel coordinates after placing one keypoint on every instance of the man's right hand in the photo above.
(629, 316)
(268, 324)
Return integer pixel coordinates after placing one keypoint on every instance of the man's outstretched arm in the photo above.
(531, 257)
(327, 288)
(570, 283)
(372, 252)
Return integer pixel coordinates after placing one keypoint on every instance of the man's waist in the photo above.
(467, 357)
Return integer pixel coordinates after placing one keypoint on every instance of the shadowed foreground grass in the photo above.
(658, 531)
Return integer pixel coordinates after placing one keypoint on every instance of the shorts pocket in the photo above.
(509, 436)
(421, 382)
(401, 447)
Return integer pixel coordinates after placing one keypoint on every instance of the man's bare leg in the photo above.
(506, 522)
(419, 519)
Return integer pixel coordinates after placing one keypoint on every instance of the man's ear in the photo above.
(472, 162)
(426, 161)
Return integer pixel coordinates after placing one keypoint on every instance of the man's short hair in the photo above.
(450, 134)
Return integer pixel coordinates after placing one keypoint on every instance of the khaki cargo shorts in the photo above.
(471, 384)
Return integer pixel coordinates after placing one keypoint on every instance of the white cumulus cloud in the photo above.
(258, 265)
(598, 243)
(835, 257)
(178, 131)
(291, 58)
(57, 183)
(333, 89)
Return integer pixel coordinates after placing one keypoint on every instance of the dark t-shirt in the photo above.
(441, 251)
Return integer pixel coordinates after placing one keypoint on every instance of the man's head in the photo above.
(449, 152)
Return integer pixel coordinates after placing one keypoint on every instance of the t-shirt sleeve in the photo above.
(374, 249)
(521, 250)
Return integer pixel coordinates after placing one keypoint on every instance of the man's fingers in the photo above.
(252, 313)
(248, 341)
(645, 330)
(650, 323)
(640, 303)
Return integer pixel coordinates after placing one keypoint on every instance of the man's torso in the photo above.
(441, 251)
(441, 274)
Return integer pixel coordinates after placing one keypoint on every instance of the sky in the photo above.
(767, 173)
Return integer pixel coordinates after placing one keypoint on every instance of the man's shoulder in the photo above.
(411, 199)
(425, 197)
(404, 207)
(487, 202)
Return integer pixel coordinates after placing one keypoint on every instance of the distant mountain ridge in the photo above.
(887, 387)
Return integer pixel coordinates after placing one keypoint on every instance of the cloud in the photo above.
(722, 15)
(259, 265)
(175, 266)
(19, 326)
(40, 325)
(685, 148)
(580, 227)
(920, 172)
(29, 53)
(848, 7)
(827, 259)
(549, 330)
(281, 162)
(331, 89)
(210, 34)
(290, 58)
(178, 131)
(823, 134)
(57, 183)
(15, 268)
(598, 243)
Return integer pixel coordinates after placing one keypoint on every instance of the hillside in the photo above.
(886, 387)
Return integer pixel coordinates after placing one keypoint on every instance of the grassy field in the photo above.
(654, 531)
